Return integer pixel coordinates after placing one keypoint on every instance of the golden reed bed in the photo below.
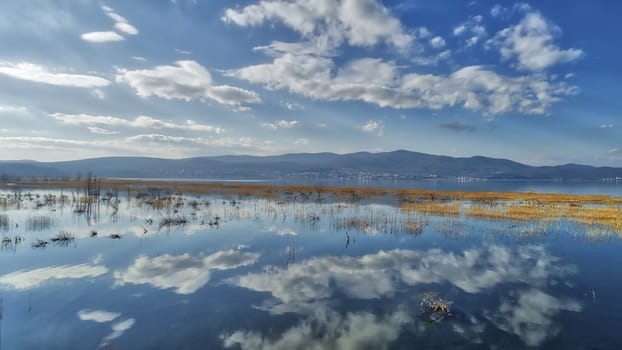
(586, 209)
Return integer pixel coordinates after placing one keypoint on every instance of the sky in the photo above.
(534, 82)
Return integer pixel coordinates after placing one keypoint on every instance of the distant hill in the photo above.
(402, 164)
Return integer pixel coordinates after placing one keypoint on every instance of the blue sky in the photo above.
(534, 82)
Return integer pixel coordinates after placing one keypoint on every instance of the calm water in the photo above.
(297, 274)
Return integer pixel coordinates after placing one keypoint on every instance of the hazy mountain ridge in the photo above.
(399, 163)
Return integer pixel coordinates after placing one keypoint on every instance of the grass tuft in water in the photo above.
(63, 236)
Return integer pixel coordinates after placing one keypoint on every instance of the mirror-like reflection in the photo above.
(166, 270)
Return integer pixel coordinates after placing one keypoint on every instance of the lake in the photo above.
(159, 270)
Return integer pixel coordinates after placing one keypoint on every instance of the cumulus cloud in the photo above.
(121, 24)
(29, 279)
(185, 80)
(96, 122)
(531, 44)
(308, 68)
(281, 124)
(99, 316)
(357, 22)
(437, 42)
(327, 329)
(39, 74)
(376, 81)
(473, 29)
(602, 126)
(500, 11)
(530, 315)
(185, 274)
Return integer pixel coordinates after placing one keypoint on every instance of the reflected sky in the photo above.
(269, 275)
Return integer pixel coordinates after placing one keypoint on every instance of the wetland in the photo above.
(121, 264)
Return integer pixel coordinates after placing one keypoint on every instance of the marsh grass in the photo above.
(381, 222)
(11, 243)
(589, 210)
(39, 244)
(63, 237)
(39, 223)
(4, 222)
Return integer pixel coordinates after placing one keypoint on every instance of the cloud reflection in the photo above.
(530, 315)
(28, 279)
(184, 273)
(472, 271)
(119, 328)
(99, 316)
(306, 287)
(327, 329)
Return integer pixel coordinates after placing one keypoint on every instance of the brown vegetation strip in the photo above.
(587, 209)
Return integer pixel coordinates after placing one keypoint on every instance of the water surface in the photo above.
(206, 272)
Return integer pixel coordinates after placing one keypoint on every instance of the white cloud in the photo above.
(292, 106)
(126, 28)
(474, 28)
(121, 25)
(375, 81)
(501, 11)
(184, 273)
(39, 142)
(183, 52)
(13, 109)
(98, 316)
(281, 124)
(139, 58)
(497, 10)
(531, 315)
(40, 74)
(437, 42)
(101, 37)
(326, 329)
(531, 44)
(186, 80)
(357, 22)
(28, 279)
(102, 131)
(476, 88)
(139, 122)
(373, 126)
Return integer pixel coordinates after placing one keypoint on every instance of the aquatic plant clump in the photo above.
(63, 236)
(434, 308)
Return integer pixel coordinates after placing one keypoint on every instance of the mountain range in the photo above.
(400, 164)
